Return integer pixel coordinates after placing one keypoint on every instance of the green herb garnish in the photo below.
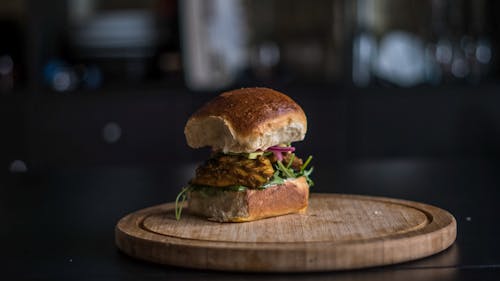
(276, 179)
(182, 196)
(291, 161)
(306, 163)
(287, 172)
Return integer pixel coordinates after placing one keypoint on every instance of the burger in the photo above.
(253, 171)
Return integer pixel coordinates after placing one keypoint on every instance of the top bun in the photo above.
(246, 120)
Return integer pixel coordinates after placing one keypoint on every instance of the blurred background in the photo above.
(402, 99)
(94, 83)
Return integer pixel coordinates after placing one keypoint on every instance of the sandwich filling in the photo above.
(241, 171)
(252, 170)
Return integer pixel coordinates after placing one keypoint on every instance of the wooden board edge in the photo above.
(310, 256)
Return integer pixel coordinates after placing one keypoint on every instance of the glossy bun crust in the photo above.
(246, 120)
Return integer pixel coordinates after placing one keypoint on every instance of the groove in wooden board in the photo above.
(325, 220)
(421, 237)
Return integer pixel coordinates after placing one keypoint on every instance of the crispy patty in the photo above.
(229, 170)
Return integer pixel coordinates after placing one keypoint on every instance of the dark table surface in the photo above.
(58, 224)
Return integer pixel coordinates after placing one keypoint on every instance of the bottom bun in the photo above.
(250, 204)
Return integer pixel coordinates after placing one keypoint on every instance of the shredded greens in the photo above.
(210, 190)
(252, 155)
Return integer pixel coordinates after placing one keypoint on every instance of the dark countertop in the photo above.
(58, 224)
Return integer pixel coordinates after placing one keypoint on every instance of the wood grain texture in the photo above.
(337, 232)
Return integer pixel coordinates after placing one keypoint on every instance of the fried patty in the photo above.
(223, 170)
(230, 170)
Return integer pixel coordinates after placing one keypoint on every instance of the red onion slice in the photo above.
(278, 155)
(281, 148)
(278, 151)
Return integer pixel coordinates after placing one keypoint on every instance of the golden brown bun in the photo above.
(251, 204)
(246, 120)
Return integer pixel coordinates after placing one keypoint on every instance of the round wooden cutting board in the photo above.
(337, 232)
